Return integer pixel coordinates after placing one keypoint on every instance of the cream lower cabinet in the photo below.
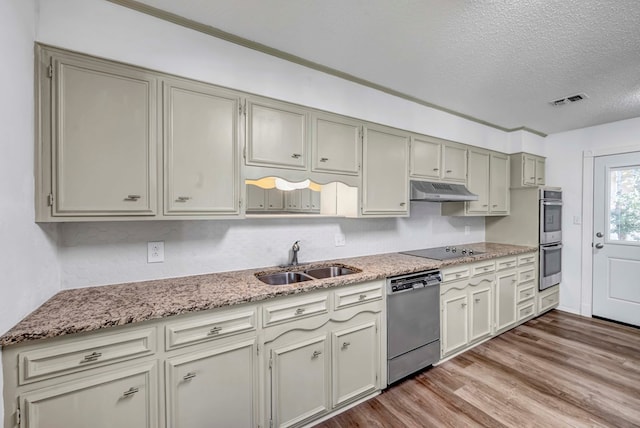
(125, 397)
(506, 300)
(214, 386)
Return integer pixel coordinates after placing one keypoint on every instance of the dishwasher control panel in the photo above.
(413, 281)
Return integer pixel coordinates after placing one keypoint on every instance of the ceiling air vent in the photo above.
(569, 99)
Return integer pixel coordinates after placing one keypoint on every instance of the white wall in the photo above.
(93, 253)
(564, 168)
(28, 260)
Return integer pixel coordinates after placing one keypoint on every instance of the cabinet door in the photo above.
(276, 135)
(125, 398)
(499, 184)
(104, 132)
(478, 181)
(454, 163)
(355, 362)
(425, 158)
(275, 199)
(315, 200)
(201, 150)
(256, 198)
(506, 299)
(540, 174)
(336, 144)
(217, 384)
(528, 170)
(455, 322)
(293, 200)
(481, 310)
(305, 199)
(385, 178)
(299, 381)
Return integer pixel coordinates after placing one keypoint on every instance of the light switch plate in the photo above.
(155, 252)
(340, 239)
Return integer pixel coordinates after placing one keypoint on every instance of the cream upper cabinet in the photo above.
(201, 147)
(213, 386)
(499, 193)
(454, 163)
(336, 144)
(527, 170)
(300, 381)
(385, 173)
(103, 125)
(478, 181)
(426, 158)
(126, 397)
(277, 135)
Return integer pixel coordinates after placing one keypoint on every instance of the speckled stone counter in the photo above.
(92, 308)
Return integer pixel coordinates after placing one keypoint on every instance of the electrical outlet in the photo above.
(340, 239)
(467, 230)
(155, 252)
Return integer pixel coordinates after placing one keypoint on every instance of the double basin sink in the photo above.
(283, 278)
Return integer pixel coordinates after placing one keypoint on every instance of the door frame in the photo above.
(588, 177)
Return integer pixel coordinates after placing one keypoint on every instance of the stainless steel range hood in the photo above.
(428, 191)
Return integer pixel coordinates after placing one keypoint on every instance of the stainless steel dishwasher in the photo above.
(413, 323)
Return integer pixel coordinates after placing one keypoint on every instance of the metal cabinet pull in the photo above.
(324, 159)
(485, 205)
(316, 354)
(362, 297)
(532, 178)
(299, 311)
(539, 178)
(296, 155)
(215, 330)
(402, 204)
(132, 198)
(92, 357)
(183, 198)
(130, 392)
(449, 171)
(494, 206)
(436, 169)
(345, 345)
(464, 305)
(189, 376)
(477, 299)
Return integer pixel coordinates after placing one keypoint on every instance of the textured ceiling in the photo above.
(499, 61)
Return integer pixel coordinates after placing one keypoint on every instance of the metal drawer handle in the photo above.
(485, 268)
(362, 297)
(132, 198)
(324, 159)
(345, 345)
(514, 280)
(539, 178)
(464, 304)
(296, 155)
(189, 376)
(527, 294)
(436, 169)
(402, 204)
(91, 357)
(494, 205)
(316, 354)
(477, 300)
(299, 311)
(130, 392)
(458, 275)
(183, 198)
(449, 171)
(532, 178)
(215, 330)
(485, 205)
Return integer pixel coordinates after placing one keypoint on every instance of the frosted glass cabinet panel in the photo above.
(104, 136)
(201, 149)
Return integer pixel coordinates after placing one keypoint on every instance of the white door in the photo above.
(616, 238)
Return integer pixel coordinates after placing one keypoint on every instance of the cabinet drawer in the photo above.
(549, 301)
(84, 353)
(482, 268)
(209, 327)
(356, 296)
(506, 263)
(527, 259)
(295, 309)
(526, 310)
(455, 274)
(526, 275)
(525, 293)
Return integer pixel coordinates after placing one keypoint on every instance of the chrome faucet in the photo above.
(294, 253)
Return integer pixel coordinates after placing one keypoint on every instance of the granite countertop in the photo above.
(93, 308)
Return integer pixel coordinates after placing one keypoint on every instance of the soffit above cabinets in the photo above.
(496, 61)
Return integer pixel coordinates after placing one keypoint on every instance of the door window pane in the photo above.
(624, 204)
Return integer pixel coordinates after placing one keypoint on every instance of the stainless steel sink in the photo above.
(282, 278)
(329, 271)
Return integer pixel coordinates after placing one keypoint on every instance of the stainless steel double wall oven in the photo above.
(550, 237)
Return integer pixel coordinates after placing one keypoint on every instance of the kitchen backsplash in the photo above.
(107, 253)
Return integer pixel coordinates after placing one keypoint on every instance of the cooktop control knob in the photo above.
(464, 251)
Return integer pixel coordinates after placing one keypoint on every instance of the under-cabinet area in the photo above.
(269, 360)
(119, 142)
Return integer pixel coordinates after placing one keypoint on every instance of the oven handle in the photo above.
(553, 203)
(551, 247)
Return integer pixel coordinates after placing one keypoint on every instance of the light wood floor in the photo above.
(558, 370)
